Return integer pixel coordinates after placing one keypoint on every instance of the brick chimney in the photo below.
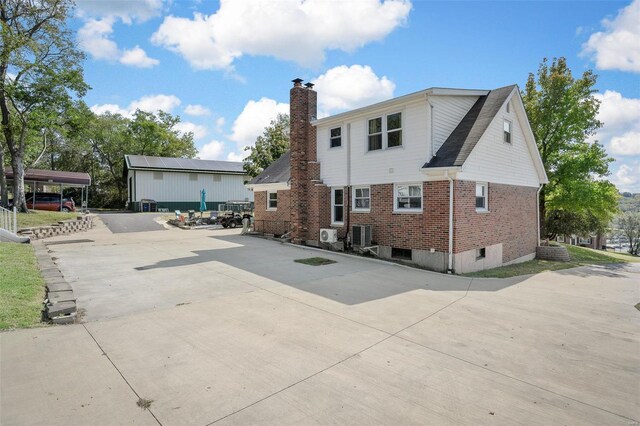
(302, 140)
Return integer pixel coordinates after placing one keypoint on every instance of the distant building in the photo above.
(175, 183)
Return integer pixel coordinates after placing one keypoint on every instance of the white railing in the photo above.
(9, 220)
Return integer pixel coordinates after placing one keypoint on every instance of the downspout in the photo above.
(450, 266)
(347, 236)
(538, 210)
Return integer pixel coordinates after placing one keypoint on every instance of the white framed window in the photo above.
(407, 197)
(335, 137)
(361, 198)
(384, 132)
(272, 200)
(482, 204)
(507, 131)
(508, 108)
(582, 240)
(374, 141)
(394, 130)
(337, 206)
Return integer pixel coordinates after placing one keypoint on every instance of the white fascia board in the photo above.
(277, 186)
(443, 91)
(440, 173)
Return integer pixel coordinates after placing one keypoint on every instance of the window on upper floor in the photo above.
(394, 130)
(375, 134)
(335, 139)
(361, 198)
(384, 132)
(481, 197)
(407, 197)
(337, 205)
(507, 131)
(272, 200)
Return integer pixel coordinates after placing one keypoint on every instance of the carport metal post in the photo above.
(60, 197)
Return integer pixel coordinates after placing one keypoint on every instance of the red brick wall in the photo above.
(422, 231)
(303, 106)
(272, 222)
(511, 219)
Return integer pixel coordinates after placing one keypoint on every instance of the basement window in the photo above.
(400, 253)
(481, 253)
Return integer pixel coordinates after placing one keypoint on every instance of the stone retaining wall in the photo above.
(81, 223)
(555, 253)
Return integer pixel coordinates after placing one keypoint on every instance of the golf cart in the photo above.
(231, 213)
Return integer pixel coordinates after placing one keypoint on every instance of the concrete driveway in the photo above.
(215, 327)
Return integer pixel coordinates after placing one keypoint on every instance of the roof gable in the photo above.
(457, 147)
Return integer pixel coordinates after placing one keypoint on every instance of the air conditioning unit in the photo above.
(328, 235)
(361, 235)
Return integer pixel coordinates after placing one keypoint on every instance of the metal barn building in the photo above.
(175, 183)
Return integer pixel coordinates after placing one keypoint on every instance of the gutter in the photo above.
(450, 257)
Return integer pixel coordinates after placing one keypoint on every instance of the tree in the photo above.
(40, 68)
(269, 146)
(563, 112)
(629, 223)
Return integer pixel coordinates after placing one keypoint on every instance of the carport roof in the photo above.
(52, 176)
(147, 162)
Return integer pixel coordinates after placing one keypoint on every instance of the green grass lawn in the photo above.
(579, 256)
(42, 217)
(21, 287)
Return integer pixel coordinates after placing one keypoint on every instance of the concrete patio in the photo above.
(215, 327)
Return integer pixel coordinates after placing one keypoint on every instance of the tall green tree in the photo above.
(563, 113)
(269, 146)
(40, 71)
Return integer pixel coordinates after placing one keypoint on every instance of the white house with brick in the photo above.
(445, 178)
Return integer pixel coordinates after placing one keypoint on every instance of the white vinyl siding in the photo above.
(448, 111)
(381, 166)
(493, 160)
(177, 186)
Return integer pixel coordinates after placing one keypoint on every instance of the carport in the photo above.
(33, 177)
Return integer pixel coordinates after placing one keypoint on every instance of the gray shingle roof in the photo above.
(182, 164)
(278, 171)
(455, 150)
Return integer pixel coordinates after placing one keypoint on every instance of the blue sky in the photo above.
(225, 67)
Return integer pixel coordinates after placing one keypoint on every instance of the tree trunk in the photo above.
(4, 192)
(19, 199)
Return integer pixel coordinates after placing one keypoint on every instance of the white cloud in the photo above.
(620, 134)
(344, 88)
(213, 150)
(255, 116)
(125, 10)
(149, 103)
(627, 144)
(220, 124)
(93, 38)
(618, 46)
(196, 110)
(293, 30)
(233, 156)
(627, 178)
(137, 57)
(198, 131)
